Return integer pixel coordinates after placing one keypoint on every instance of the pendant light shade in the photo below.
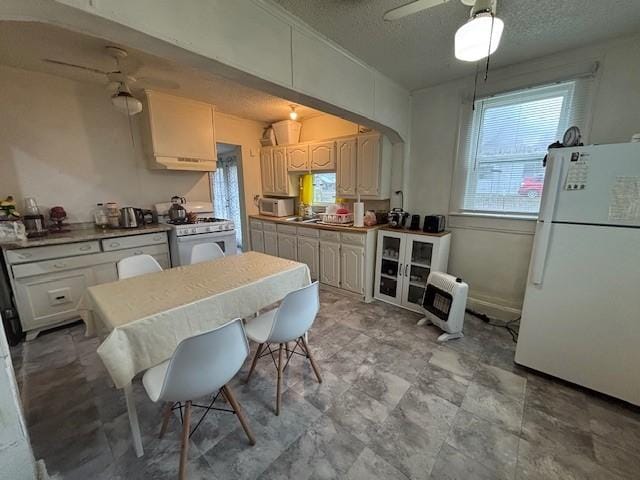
(479, 37)
(125, 102)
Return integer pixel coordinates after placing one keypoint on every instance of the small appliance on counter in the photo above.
(33, 219)
(131, 217)
(444, 302)
(434, 224)
(276, 207)
(415, 222)
(177, 213)
(397, 218)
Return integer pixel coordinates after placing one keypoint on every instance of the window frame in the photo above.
(335, 196)
(468, 129)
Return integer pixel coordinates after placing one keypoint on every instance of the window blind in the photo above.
(504, 140)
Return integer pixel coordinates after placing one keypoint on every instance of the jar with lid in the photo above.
(113, 214)
(100, 217)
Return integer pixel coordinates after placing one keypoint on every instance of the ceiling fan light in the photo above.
(126, 103)
(477, 39)
(293, 115)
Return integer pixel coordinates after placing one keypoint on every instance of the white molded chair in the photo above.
(204, 252)
(201, 365)
(137, 265)
(289, 322)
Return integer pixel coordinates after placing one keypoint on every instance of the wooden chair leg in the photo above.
(255, 361)
(316, 370)
(166, 416)
(279, 389)
(186, 427)
(226, 391)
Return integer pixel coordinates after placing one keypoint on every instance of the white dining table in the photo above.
(144, 318)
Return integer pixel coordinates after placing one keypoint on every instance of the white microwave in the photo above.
(276, 207)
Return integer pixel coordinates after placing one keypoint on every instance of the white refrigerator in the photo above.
(581, 312)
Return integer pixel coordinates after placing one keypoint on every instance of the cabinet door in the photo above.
(257, 240)
(390, 266)
(346, 161)
(105, 273)
(330, 263)
(298, 158)
(163, 259)
(280, 173)
(322, 156)
(287, 246)
(266, 171)
(49, 299)
(352, 261)
(309, 253)
(418, 255)
(369, 164)
(181, 127)
(271, 243)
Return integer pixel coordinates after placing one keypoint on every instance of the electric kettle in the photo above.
(177, 213)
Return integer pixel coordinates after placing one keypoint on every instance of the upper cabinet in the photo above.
(346, 172)
(276, 180)
(322, 156)
(369, 165)
(180, 133)
(298, 158)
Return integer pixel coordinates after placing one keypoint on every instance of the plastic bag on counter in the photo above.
(12, 231)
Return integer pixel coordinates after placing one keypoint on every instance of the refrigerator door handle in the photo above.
(551, 186)
(539, 252)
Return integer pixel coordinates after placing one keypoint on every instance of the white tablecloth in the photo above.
(147, 317)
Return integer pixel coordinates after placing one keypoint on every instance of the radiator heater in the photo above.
(444, 303)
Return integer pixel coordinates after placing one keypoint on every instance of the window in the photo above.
(504, 142)
(324, 188)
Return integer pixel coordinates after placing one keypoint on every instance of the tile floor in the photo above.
(394, 405)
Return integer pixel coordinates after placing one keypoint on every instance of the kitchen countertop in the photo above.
(320, 226)
(83, 233)
(416, 232)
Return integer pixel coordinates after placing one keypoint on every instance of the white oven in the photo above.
(276, 207)
(181, 246)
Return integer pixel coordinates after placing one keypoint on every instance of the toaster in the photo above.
(434, 223)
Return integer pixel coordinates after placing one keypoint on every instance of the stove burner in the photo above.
(177, 222)
(210, 220)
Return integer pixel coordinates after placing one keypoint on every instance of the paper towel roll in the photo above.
(358, 214)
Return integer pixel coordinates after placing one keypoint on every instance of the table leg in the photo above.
(133, 419)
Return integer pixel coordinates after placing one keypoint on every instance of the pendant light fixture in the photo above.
(480, 36)
(293, 115)
(125, 102)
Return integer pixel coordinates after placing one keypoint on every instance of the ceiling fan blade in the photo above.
(153, 82)
(410, 9)
(73, 65)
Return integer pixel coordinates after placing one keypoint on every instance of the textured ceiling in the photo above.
(24, 45)
(417, 51)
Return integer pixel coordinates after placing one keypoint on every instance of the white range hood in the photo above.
(180, 133)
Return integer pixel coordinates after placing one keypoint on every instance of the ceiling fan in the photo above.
(478, 38)
(120, 80)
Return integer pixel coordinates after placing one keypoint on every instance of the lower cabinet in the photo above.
(330, 263)
(309, 253)
(352, 268)
(287, 246)
(271, 243)
(257, 240)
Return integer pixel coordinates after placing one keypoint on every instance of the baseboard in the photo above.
(493, 310)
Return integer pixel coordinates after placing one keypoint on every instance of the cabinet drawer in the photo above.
(352, 238)
(308, 232)
(120, 243)
(54, 251)
(329, 236)
(255, 224)
(269, 226)
(287, 229)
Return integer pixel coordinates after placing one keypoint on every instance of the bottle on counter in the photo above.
(100, 217)
(113, 215)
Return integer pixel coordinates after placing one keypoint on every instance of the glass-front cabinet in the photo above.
(404, 262)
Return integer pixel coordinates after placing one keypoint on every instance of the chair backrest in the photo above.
(204, 252)
(137, 265)
(202, 364)
(296, 314)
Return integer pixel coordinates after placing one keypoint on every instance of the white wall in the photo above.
(493, 255)
(64, 143)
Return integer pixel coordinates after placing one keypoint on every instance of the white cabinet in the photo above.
(271, 243)
(274, 174)
(352, 268)
(404, 261)
(322, 156)
(257, 240)
(181, 133)
(266, 171)
(330, 263)
(369, 165)
(346, 172)
(309, 253)
(298, 158)
(287, 246)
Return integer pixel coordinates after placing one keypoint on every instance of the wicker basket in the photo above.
(336, 218)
